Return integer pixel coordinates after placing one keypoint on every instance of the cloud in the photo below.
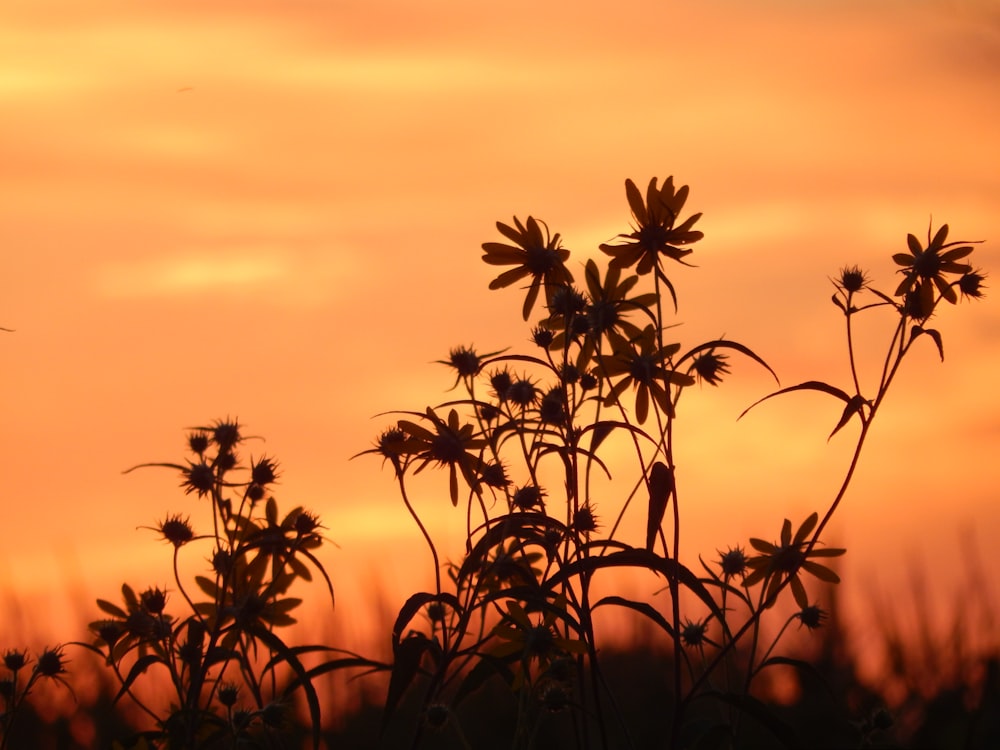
(278, 276)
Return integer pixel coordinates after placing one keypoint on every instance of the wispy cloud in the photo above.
(279, 277)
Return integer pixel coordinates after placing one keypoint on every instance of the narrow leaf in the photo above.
(810, 385)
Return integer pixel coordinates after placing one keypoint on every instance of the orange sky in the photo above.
(273, 210)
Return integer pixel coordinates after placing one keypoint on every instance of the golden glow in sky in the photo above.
(274, 210)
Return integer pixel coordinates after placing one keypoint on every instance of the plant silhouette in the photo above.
(531, 442)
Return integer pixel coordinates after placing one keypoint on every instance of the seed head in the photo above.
(693, 633)
(527, 497)
(464, 361)
(437, 716)
(852, 279)
(51, 662)
(585, 520)
(198, 442)
(971, 284)
(228, 693)
(226, 434)
(812, 617)
(176, 530)
(710, 367)
(264, 471)
(199, 478)
(306, 523)
(733, 562)
(15, 660)
(542, 337)
(153, 600)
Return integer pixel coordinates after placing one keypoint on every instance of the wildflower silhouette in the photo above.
(532, 434)
(232, 676)
(16, 688)
(924, 268)
(534, 443)
(536, 254)
(783, 562)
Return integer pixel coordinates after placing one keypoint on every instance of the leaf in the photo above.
(414, 604)
(726, 344)
(208, 586)
(639, 558)
(141, 665)
(807, 526)
(406, 663)
(507, 527)
(111, 609)
(661, 485)
(278, 647)
(853, 407)
(810, 385)
(488, 666)
(933, 333)
(642, 608)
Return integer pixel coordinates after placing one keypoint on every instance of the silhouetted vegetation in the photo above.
(546, 451)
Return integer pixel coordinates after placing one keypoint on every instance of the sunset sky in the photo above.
(274, 211)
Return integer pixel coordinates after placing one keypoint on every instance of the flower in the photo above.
(608, 301)
(787, 560)
(925, 268)
(51, 663)
(536, 255)
(494, 475)
(534, 641)
(198, 442)
(15, 660)
(693, 633)
(733, 562)
(710, 367)
(198, 478)
(971, 284)
(522, 392)
(447, 444)
(642, 364)
(465, 362)
(585, 520)
(264, 471)
(655, 232)
(176, 530)
(852, 279)
(811, 616)
(527, 497)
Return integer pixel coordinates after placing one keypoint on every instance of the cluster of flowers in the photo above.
(601, 366)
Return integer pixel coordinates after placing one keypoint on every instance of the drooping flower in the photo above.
(535, 255)
(710, 367)
(811, 617)
(971, 284)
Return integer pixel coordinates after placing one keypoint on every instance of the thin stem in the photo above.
(423, 530)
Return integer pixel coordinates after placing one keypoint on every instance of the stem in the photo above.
(423, 530)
